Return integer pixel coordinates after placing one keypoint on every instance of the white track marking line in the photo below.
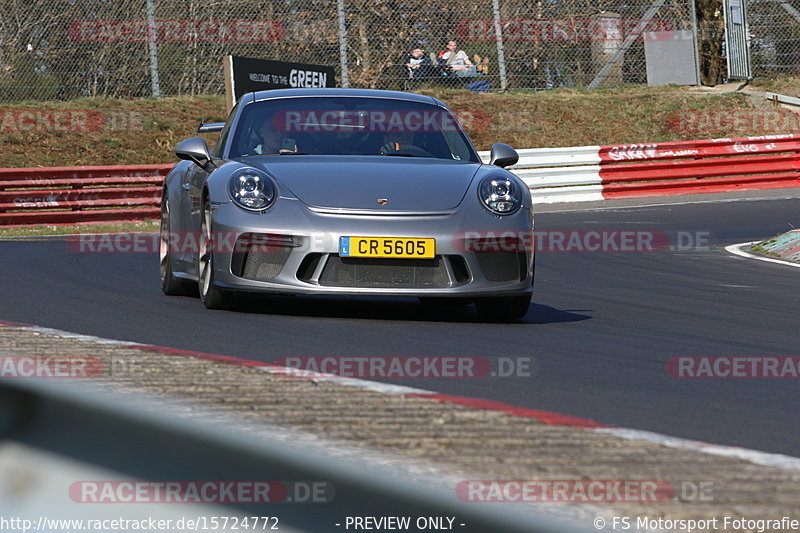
(775, 460)
(77, 336)
(377, 386)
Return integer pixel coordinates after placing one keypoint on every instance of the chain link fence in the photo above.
(65, 49)
(775, 32)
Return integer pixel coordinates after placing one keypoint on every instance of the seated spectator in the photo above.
(457, 62)
(418, 65)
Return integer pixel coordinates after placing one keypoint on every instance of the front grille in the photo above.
(261, 257)
(460, 269)
(265, 265)
(384, 273)
(501, 266)
(308, 266)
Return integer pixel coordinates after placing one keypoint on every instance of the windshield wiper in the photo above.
(399, 154)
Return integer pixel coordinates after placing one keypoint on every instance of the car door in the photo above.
(192, 190)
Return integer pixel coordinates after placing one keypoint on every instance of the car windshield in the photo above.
(350, 126)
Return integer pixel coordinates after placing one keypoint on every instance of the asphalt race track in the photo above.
(600, 330)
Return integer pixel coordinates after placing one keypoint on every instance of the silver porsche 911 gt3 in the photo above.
(347, 192)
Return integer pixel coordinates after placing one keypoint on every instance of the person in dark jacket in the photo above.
(418, 65)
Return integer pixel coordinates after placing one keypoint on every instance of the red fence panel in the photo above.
(69, 195)
(694, 167)
(703, 148)
(51, 218)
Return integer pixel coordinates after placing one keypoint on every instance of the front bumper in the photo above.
(304, 245)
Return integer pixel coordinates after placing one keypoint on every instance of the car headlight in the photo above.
(501, 195)
(252, 189)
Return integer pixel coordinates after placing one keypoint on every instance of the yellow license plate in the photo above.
(387, 247)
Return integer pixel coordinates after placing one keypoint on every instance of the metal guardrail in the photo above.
(585, 173)
(707, 166)
(782, 99)
(80, 194)
(108, 431)
(571, 174)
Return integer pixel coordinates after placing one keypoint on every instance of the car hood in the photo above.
(359, 182)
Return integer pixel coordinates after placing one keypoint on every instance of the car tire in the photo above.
(503, 309)
(170, 285)
(211, 296)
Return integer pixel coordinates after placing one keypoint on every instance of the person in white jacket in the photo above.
(457, 61)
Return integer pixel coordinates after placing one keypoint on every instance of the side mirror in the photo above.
(195, 150)
(502, 155)
(210, 127)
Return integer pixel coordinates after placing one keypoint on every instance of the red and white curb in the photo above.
(738, 249)
(545, 417)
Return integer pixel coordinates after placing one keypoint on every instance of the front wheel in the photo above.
(503, 309)
(211, 296)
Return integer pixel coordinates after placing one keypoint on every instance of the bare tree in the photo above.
(711, 35)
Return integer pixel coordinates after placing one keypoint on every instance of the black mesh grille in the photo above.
(262, 265)
(385, 273)
(261, 256)
(499, 266)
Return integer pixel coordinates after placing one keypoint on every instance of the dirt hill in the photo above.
(105, 132)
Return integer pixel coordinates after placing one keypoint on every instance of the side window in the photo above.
(216, 151)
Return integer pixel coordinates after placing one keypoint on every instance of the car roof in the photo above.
(363, 93)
